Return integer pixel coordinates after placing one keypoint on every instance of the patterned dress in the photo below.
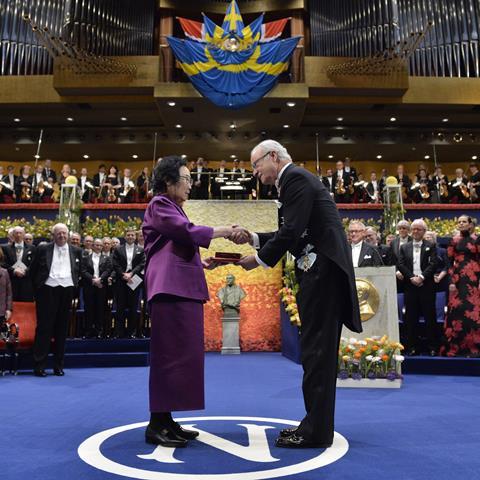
(462, 324)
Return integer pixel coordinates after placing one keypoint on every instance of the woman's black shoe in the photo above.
(183, 432)
(164, 437)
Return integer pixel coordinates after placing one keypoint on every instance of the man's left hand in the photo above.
(248, 262)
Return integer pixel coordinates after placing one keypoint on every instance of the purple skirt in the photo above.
(176, 354)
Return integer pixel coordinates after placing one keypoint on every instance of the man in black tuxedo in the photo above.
(201, 180)
(96, 268)
(128, 262)
(403, 237)
(311, 229)
(329, 182)
(218, 179)
(87, 189)
(363, 254)
(372, 237)
(8, 188)
(55, 273)
(99, 179)
(18, 260)
(48, 172)
(342, 181)
(418, 263)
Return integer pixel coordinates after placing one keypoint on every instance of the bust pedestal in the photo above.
(230, 326)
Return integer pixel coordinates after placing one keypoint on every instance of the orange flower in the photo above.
(385, 358)
(375, 347)
(357, 355)
(362, 350)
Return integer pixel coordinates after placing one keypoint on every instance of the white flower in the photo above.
(368, 358)
(376, 337)
(362, 342)
(381, 352)
(352, 340)
(399, 358)
(376, 359)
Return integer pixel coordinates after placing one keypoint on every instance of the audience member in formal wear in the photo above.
(65, 172)
(363, 254)
(440, 186)
(23, 185)
(405, 183)
(48, 171)
(458, 188)
(18, 260)
(126, 192)
(403, 237)
(75, 239)
(440, 278)
(218, 179)
(201, 180)
(351, 170)
(372, 237)
(329, 182)
(85, 184)
(96, 269)
(99, 180)
(418, 263)
(144, 185)
(140, 238)
(55, 273)
(9, 180)
(87, 244)
(474, 182)
(342, 182)
(6, 299)
(107, 245)
(373, 189)
(462, 325)
(28, 239)
(177, 290)
(115, 243)
(128, 262)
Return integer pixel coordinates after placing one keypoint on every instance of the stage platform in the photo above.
(90, 425)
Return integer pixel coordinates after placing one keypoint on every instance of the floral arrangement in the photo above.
(289, 291)
(114, 226)
(442, 227)
(375, 357)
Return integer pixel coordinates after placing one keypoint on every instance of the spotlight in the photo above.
(135, 156)
(16, 120)
(474, 157)
(178, 125)
(444, 120)
(86, 157)
(426, 157)
(457, 138)
(171, 104)
(70, 119)
(291, 104)
(393, 119)
(123, 119)
(339, 119)
(379, 157)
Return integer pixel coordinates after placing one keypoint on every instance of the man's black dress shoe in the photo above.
(183, 432)
(297, 441)
(287, 432)
(164, 437)
(58, 372)
(40, 373)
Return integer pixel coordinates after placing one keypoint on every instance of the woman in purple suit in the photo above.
(176, 292)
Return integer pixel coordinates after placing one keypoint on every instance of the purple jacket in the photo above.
(5, 292)
(173, 264)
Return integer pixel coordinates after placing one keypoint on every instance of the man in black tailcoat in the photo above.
(311, 229)
(128, 262)
(18, 260)
(418, 264)
(55, 274)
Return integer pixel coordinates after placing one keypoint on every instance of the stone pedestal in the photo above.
(230, 325)
(379, 308)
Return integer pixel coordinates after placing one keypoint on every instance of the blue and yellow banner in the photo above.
(231, 65)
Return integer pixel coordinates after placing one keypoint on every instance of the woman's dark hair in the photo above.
(167, 170)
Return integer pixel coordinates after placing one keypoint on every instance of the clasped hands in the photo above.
(239, 236)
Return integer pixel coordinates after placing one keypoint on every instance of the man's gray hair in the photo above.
(273, 146)
(357, 222)
(433, 234)
(403, 223)
(57, 226)
(419, 222)
(17, 228)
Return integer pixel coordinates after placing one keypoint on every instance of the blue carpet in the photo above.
(428, 429)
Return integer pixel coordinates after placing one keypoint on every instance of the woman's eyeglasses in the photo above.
(187, 178)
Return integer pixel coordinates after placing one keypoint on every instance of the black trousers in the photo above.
(126, 298)
(53, 305)
(323, 309)
(95, 305)
(420, 301)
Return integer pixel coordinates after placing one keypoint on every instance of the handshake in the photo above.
(239, 236)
